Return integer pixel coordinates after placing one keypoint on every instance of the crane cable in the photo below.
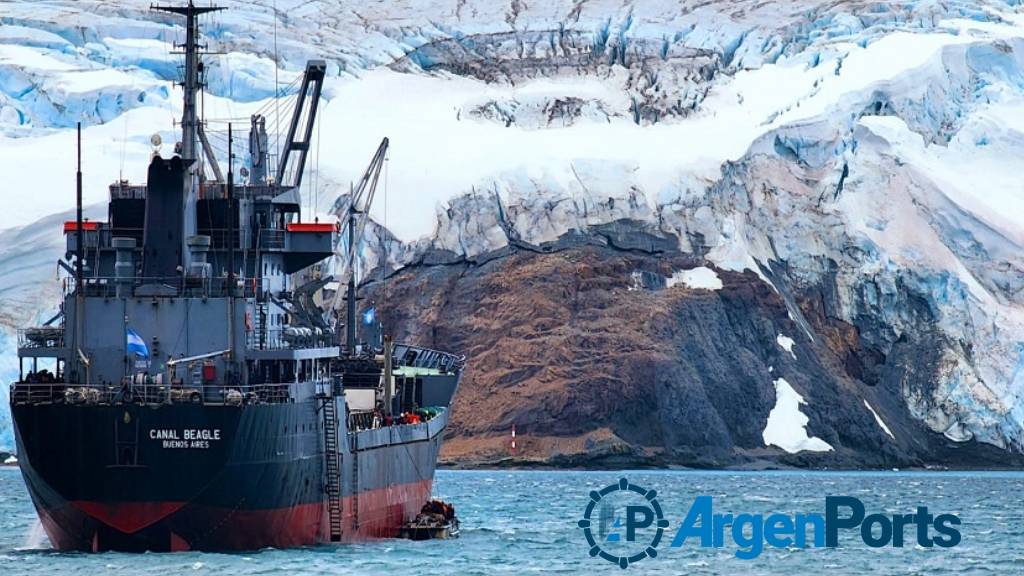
(316, 172)
(277, 86)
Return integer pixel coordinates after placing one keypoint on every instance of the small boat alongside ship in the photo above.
(194, 395)
(436, 521)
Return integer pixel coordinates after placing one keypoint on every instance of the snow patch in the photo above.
(878, 419)
(701, 278)
(786, 343)
(787, 425)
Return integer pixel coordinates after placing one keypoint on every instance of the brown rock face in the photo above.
(597, 363)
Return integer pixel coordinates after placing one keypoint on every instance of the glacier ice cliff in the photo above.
(858, 158)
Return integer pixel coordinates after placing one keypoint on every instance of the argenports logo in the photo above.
(642, 511)
(629, 525)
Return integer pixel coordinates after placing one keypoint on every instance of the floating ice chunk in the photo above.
(787, 425)
(701, 278)
(878, 419)
(786, 343)
(11, 460)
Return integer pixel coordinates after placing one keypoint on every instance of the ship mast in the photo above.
(192, 84)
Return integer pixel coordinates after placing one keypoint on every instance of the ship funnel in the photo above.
(163, 228)
(124, 265)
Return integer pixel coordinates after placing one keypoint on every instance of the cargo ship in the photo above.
(199, 389)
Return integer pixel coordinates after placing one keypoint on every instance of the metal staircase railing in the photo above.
(333, 468)
(260, 324)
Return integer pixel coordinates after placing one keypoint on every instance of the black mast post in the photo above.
(78, 214)
(230, 193)
(79, 258)
(350, 324)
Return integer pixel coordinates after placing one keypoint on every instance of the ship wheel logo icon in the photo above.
(623, 523)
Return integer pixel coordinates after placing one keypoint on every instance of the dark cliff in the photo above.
(596, 362)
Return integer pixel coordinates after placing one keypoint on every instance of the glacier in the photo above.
(863, 150)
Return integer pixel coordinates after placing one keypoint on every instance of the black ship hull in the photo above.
(168, 477)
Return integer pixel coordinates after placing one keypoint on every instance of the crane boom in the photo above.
(353, 214)
(306, 104)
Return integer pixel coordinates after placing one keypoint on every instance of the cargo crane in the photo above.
(306, 104)
(292, 162)
(354, 212)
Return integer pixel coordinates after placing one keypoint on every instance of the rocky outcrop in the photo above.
(595, 361)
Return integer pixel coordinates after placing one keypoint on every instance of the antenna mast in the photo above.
(192, 84)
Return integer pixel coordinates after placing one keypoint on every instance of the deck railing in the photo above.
(151, 393)
(41, 337)
(106, 286)
(288, 338)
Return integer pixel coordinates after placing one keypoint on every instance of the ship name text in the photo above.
(186, 438)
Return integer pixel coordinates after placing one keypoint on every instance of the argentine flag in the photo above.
(136, 345)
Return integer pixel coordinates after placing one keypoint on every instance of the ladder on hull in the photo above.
(354, 437)
(332, 467)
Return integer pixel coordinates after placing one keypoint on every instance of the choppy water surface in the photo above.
(525, 522)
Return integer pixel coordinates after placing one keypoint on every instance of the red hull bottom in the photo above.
(177, 526)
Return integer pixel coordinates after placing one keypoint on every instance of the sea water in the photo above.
(521, 522)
